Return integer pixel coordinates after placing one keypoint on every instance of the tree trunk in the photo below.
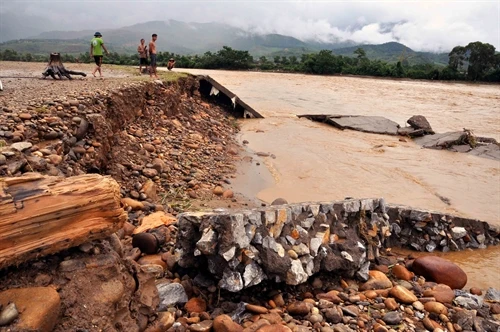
(55, 67)
(41, 215)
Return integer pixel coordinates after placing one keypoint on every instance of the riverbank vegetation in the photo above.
(474, 62)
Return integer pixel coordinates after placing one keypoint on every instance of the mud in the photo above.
(315, 162)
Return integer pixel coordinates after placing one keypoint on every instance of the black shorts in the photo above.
(153, 60)
(98, 60)
(143, 61)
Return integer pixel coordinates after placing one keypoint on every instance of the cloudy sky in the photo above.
(422, 25)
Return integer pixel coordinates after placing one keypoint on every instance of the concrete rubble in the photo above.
(419, 130)
(290, 243)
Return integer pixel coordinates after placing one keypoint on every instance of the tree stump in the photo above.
(41, 215)
(55, 67)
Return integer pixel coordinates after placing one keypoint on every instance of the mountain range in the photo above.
(197, 38)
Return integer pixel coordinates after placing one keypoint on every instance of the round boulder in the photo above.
(440, 270)
(279, 201)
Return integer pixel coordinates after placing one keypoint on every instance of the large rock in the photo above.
(420, 122)
(440, 270)
(38, 306)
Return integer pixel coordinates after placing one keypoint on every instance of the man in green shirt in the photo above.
(96, 47)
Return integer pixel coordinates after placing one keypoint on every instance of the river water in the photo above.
(316, 162)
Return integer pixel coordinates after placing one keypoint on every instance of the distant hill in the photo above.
(393, 52)
(197, 38)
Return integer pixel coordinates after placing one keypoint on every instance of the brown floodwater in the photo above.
(316, 162)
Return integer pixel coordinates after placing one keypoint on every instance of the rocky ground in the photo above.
(171, 151)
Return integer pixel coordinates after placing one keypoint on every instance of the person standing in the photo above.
(96, 47)
(152, 55)
(142, 49)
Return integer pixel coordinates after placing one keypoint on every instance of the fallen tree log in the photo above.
(41, 215)
(55, 67)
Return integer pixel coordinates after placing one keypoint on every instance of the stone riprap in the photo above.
(290, 243)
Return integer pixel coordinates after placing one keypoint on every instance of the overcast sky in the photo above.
(421, 25)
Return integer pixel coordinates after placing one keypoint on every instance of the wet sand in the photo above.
(316, 162)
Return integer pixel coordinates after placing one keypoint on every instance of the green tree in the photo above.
(478, 59)
(360, 53)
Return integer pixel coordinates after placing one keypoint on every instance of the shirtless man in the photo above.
(152, 55)
(142, 49)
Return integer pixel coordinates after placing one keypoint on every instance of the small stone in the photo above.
(196, 304)
(204, 326)
(24, 116)
(219, 191)
(442, 293)
(392, 318)
(8, 314)
(315, 318)
(495, 308)
(3, 160)
(391, 304)
(153, 259)
(298, 308)
(256, 309)
(403, 295)
(170, 295)
(418, 305)
(150, 172)
(436, 307)
(333, 315)
(380, 328)
(476, 291)
(401, 272)
(292, 254)
(458, 232)
(149, 147)
(135, 205)
(165, 320)
(378, 280)
(55, 159)
(146, 242)
(274, 328)
(278, 299)
(224, 323)
(21, 146)
(351, 310)
(228, 194)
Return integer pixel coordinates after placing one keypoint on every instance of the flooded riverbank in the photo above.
(316, 162)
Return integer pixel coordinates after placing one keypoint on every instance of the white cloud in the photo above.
(422, 25)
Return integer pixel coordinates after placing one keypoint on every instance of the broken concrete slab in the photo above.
(218, 93)
(441, 141)
(367, 124)
(491, 151)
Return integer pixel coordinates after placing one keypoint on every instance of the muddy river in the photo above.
(315, 162)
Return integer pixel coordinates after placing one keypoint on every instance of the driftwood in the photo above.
(55, 67)
(42, 215)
